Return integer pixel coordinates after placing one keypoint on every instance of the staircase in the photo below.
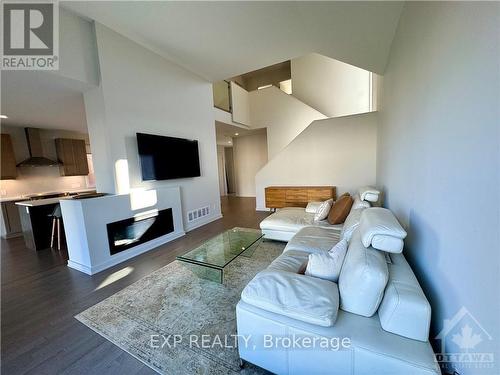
(284, 116)
(302, 123)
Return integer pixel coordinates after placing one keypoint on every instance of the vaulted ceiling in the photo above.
(41, 100)
(218, 39)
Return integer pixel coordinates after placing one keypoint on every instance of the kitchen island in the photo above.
(36, 220)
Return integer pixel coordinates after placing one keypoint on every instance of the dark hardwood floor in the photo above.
(40, 296)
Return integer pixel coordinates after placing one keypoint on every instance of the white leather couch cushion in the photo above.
(313, 240)
(292, 219)
(404, 309)
(323, 210)
(380, 229)
(351, 223)
(300, 297)
(369, 193)
(363, 278)
(327, 265)
(312, 207)
(359, 203)
(289, 261)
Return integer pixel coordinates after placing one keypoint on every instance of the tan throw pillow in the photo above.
(340, 210)
(302, 268)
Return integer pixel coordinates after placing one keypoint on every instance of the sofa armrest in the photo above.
(300, 297)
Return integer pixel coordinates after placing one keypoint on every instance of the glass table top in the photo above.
(222, 249)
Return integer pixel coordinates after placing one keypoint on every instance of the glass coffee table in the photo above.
(209, 259)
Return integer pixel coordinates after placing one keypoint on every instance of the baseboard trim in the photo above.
(203, 222)
(126, 255)
(79, 267)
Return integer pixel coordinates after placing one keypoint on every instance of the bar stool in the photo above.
(56, 216)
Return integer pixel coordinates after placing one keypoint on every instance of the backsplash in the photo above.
(41, 179)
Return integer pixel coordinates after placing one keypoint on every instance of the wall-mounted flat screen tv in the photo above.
(167, 158)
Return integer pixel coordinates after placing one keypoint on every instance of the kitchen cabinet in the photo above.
(72, 155)
(11, 220)
(8, 166)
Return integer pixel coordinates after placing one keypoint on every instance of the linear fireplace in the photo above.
(141, 228)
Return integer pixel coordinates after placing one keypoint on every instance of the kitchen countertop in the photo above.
(42, 202)
(25, 198)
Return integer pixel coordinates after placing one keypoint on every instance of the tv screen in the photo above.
(166, 158)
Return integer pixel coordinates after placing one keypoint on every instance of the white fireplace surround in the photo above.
(85, 225)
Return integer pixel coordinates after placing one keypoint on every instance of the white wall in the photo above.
(283, 115)
(77, 49)
(142, 92)
(250, 155)
(227, 118)
(240, 104)
(331, 86)
(40, 179)
(338, 151)
(439, 161)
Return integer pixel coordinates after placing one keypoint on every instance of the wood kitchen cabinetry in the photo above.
(72, 155)
(8, 166)
(297, 196)
(11, 220)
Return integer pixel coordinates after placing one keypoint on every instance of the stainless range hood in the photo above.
(37, 158)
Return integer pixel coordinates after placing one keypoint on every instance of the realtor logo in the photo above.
(464, 343)
(30, 36)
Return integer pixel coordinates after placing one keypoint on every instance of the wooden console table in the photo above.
(297, 196)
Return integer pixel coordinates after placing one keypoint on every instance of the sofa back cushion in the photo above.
(363, 278)
(351, 223)
(380, 228)
(369, 193)
(404, 309)
(359, 203)
(340, 209)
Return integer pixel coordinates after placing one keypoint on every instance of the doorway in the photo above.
(229, 170)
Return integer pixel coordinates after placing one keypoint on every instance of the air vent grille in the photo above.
(198, 213)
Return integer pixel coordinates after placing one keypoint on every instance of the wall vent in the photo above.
(198, 213)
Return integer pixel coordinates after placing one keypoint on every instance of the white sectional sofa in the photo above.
(285, 223)
(377, 305)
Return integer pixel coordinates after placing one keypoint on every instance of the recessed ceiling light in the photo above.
(229, 142)
(4, 116)
(236, 134)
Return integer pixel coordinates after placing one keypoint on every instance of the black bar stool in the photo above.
(56, 216)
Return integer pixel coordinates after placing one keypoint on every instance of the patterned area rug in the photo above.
(174, 301)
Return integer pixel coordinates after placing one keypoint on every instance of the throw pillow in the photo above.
(312, 207)
(327, 265)
(340, 209)
(302, 268)
(323, 210)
